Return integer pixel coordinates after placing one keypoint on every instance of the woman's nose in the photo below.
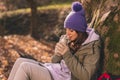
(67, 32)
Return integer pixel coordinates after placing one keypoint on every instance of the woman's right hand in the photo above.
(61, 47)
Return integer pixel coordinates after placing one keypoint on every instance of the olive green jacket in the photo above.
(84, 63)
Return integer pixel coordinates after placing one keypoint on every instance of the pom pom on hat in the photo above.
(76, 6)
(76, 18)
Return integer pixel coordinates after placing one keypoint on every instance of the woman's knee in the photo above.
(20, 60)
(25, 66)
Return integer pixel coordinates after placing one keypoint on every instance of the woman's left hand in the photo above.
(61, 48)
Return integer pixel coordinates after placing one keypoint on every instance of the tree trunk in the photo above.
(33, 26)
(100, 15)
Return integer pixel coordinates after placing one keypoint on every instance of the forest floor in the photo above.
(11, 45)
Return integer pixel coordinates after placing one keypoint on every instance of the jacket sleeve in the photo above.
(85, 70)
(56, 58)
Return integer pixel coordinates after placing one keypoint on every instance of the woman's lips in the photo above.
(69, 37)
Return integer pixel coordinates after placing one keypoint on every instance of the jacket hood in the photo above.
(92, 36)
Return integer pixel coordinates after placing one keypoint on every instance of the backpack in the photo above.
(106, 76)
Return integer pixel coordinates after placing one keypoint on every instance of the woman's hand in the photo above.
(61, 48)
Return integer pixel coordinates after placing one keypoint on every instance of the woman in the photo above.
(76, 54)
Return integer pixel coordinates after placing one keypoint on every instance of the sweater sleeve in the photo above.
(85, 70)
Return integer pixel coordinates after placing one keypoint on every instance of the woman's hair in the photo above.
(76, 44)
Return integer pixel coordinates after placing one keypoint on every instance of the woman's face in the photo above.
(71, 34)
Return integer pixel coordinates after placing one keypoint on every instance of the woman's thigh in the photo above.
(31, 71)
(19, 61)
(17, 64)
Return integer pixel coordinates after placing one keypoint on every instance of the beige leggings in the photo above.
(28, 69)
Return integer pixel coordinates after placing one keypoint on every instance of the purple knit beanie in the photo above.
(76, 18)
